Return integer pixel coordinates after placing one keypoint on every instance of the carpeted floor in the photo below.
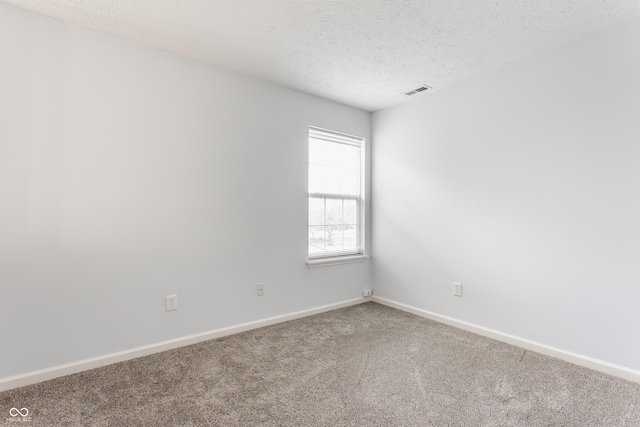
(367, 365)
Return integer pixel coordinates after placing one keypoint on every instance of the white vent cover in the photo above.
(418, 90)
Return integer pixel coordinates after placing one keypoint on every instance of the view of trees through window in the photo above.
(334, 194)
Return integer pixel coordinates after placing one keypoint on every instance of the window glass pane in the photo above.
(351, 212)
(333, 225)
(333, 214)
(317, 236)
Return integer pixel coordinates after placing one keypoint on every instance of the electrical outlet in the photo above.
(457, 289)
(366, 293)
(260, 289)
(172, 302)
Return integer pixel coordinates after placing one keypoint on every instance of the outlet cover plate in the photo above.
(172, 302)
(457, 289)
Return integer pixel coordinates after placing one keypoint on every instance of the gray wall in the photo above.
(524, 185)
(126, 174)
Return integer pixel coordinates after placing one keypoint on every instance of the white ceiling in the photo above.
(364, 53)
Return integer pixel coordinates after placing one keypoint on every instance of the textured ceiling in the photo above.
(363, 53)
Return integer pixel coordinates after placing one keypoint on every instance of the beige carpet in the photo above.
(367, 365)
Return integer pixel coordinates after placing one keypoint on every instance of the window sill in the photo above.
(326, 262)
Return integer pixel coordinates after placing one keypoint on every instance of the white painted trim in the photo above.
(325, 262)
(34, 377)
(577, 359)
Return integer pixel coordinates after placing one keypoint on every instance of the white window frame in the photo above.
(352, 257)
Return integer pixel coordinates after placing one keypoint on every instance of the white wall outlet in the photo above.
(172, 302)
(457, 289)
(260, 289)
(366, 293)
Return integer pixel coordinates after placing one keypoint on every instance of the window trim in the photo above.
(338, 260)
(341, 138)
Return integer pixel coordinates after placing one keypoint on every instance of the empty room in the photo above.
(320, 213)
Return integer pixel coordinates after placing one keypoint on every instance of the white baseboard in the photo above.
(577, 359)
(34, 377)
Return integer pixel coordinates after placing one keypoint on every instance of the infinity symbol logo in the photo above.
(14, 412)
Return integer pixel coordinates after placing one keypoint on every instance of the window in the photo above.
(335, 194)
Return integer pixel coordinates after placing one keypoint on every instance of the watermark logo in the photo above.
(19, 415)
(14, 412)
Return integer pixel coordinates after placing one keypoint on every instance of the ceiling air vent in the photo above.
(418, 90)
